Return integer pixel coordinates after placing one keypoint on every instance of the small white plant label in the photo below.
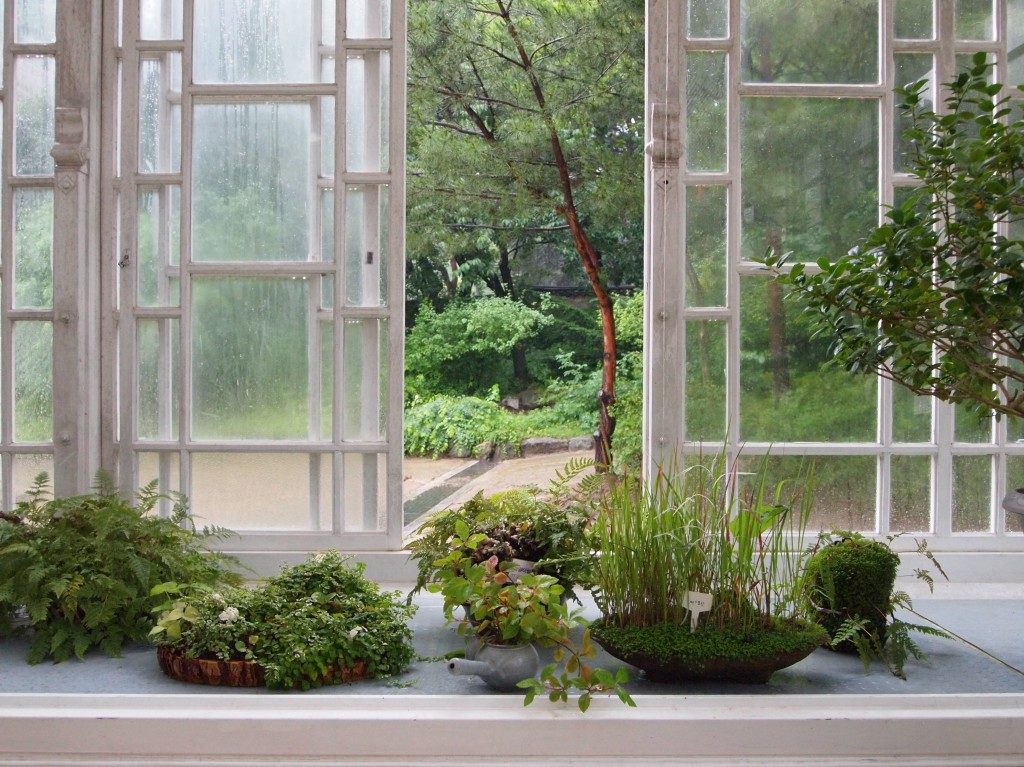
(697, 603)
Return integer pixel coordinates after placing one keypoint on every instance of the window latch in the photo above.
(125, 258)
(369, 256)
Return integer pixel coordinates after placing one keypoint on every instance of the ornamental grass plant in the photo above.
(704, 528)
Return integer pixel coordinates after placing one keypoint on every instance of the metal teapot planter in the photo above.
(501, 667)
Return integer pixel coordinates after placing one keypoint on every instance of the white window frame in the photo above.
(667, 180)
(122, 56)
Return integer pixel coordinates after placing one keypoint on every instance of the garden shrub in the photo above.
(81, 568)
(299, 626)
(466, 348)
(457, 424)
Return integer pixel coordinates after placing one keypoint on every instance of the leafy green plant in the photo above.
(850, 586)
(515, 524)
(935, 276)
(81, 569)
(459, 424)
(300, 626)
(506, 608)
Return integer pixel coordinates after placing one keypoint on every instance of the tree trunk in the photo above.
(520, 371)
(584, 247)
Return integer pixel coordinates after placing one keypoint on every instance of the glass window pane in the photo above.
(364, 486)
(913, 19)
(972, 493)
(367, 111)
(33, 115)
(788, 392)
(26, 468)
(973, 20)
(35, 21)
(810, 175)
(33, 248)
(705, 381)
(328, 21)
(33, 381)
(327, 233)
(970, 427)
(159, 381)
(262, 491)
(844, 487)
(252, 182)
(706, 260)
(910, 67)
(327, 137)
(367, 18)
(911, 416)
(365, 382)
(160, 114)
(165, 468)
(706, 111)
(1014, 479)
(366, 245)
(910, 494)
(810, 41)
(160, 19)
(250, 358)
(253, 41)
(159, 231)
(326, 380)
(707, 18)
(1015, 41)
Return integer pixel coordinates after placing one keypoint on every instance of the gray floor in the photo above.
(996, 625)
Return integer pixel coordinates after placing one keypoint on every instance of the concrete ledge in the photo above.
(719, 731)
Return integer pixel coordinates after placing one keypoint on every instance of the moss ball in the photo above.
(852, 578)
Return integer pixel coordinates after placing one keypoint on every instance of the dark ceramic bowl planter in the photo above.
(670, 653)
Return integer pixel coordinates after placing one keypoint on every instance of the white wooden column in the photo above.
(664, 326)
(75, 261)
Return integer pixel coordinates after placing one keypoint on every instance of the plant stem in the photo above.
(967, 642)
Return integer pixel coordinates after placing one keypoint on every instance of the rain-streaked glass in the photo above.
(364, 499)
(367, 19)
(706, 111)
(705, 381)
(706, 263)
(252, 183)
(159, 380)
(367, 111)
(160, 114)
(972, 493)
(910, 494)
(366, 245)
(33, 115)
(159, 252)
(35, 21)
(250, 358)
(810, 41)
(33, 248)
(33, 381)
(253, 41)
(365, 382)
(160, 19)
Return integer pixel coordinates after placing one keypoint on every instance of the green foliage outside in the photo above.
(301, 626)
(81, 569)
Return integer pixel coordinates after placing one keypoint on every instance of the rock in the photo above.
(505, 450)
(459, 451)
(544, 445)
(484, 451)
(586, 442)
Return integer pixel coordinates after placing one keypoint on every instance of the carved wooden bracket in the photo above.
(70, 151)
(666, 147)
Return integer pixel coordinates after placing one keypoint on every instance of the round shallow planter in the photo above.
(236, 673)
(670, 653)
